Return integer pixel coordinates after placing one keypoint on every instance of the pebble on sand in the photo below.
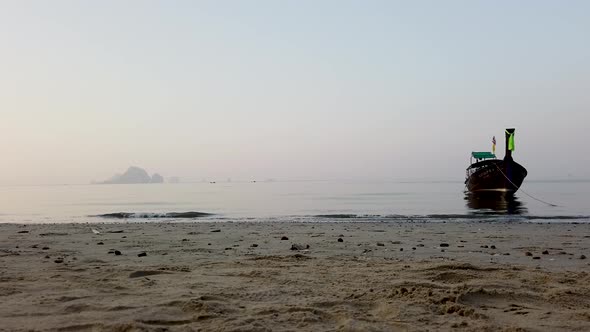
(528, 253)
(545, 252)
(141, 254)
(340, 239)
(284, 238)
(254, 245)
(380, 244)
(117, 253)
(296, 246)
(443, 245)
(59, 260)
(216, 231)
(582, 256)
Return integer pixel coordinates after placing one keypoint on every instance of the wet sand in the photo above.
(471, 276)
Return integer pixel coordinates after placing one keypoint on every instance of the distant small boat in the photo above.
(489, 174)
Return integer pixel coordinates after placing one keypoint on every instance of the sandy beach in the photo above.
(255, 276)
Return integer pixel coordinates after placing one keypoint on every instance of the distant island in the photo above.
(134, 175)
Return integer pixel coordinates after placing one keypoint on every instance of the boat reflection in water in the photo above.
(494, 203)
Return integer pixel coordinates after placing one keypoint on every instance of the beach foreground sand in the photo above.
(472, 276)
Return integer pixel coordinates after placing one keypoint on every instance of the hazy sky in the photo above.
(290, 89)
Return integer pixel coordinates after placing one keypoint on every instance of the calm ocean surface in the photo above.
(293, 201)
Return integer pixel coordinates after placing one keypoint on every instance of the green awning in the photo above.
(483, 155)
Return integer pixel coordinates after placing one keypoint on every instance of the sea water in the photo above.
(293, 201)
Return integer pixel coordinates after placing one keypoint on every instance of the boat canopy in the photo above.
(483, 155)
(483, 163)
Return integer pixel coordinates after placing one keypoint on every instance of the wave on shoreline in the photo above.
(444, 217)
(145, 215)
(350, 217)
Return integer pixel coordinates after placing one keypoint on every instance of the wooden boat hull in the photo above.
(495, 175)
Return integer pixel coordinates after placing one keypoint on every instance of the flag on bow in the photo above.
(510, 140)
